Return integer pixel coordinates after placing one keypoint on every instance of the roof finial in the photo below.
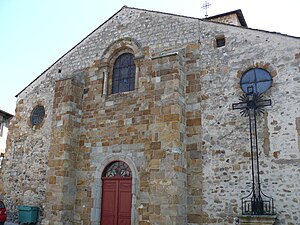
(206, 6)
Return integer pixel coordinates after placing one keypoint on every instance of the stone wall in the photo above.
(225, 143)
(26, 157)
(188, 150)
(63, 152)
(143, 128)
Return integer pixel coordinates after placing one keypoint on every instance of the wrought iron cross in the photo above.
(206, 6)
(256, 203)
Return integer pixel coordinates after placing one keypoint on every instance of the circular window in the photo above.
(37, 115)
(256, 81)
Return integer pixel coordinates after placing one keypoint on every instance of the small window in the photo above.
(1, 128)
(1, 159)
(123, 74)
(220, 41)
(2, 206)
(37, 115)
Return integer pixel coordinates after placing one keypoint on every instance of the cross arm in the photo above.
(240, 105)
(263, 103)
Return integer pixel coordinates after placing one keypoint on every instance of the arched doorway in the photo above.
(116, 194)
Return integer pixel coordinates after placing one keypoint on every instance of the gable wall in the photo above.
(79, 59)
(178, 129)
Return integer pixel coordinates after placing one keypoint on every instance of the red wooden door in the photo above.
(116, 201)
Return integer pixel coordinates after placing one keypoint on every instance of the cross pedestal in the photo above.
(257, 220)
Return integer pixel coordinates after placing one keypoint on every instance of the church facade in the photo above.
(134, 125)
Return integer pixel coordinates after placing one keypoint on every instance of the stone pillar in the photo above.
(61, 186)
(167, 162)
(194, 138)
(257, 219)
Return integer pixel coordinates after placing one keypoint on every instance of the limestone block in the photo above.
(257, 220)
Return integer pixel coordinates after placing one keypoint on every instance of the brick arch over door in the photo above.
(97, 187)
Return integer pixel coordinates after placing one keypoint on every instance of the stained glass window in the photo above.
(37, 115)
(117, 169)
(123, 74)
(256, 79)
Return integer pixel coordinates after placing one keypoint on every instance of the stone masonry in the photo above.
(187, 149)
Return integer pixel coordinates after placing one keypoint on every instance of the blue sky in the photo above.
(35, 33)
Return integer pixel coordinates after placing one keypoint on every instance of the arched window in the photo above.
(123, 74)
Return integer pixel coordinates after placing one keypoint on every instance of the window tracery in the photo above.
(117, 169)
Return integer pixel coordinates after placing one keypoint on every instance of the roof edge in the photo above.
(17, 95)
(238, 12)
(225, 24)
(8, 115)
